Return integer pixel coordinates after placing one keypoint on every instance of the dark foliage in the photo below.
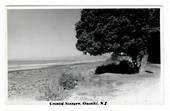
(101, 31)
(123, 67)
(154, 48)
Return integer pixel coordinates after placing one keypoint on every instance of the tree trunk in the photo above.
(138, 62)
(143, 64)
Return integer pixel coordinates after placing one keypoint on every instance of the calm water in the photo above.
(32, 64)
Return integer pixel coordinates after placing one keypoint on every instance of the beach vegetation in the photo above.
(67, 81)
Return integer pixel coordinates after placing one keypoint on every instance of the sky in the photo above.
(41, 33)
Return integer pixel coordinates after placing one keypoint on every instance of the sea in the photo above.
(36, 63)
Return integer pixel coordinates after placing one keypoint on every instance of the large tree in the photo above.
(101, 31)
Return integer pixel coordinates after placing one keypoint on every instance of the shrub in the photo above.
(123, 67)
(51, 91)
(67, 81)
(56, 89)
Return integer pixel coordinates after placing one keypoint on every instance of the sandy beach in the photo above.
(41, 84)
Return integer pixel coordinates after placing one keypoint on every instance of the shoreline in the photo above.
(46, 65)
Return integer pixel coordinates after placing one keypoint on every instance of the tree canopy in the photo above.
(101, 31)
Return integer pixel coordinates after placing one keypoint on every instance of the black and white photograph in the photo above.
(110, 55)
